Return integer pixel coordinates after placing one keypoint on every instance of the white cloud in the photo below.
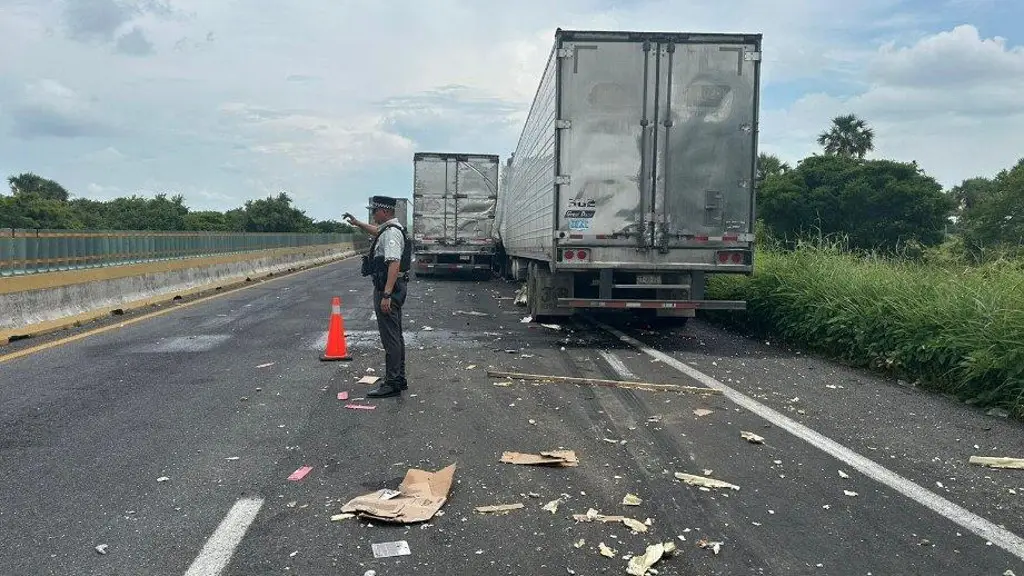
(225, 101)
(951, 101)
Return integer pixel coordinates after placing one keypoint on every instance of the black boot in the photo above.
(404, 384)
(384, 390)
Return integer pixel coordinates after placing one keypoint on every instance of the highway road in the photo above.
(169, 442)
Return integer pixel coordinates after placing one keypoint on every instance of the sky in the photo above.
(228, 100)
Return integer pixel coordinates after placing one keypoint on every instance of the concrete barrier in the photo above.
(39, 303)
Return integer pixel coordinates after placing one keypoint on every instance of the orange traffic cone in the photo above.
(337, 349)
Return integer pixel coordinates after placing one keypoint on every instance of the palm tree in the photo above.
(849, 136)
(769, 165)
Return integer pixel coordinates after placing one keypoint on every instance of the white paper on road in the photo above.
(389, 549)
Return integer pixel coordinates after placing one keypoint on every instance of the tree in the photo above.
(992, 211)
(769, 165)
(877, 204)
(848, 136)
(333, 226)
(28, 183)
(276, 215)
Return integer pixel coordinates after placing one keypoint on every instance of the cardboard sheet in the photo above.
(559, 458)
(419, 497)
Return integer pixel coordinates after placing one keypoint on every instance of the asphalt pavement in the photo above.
(147, 438)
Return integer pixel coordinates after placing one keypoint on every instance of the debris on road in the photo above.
(267, 365)
(751, 437)
(520, 297)
(162, 479)
(340, 517)
(843, 474)
(593, 515)
(503, 384)
(468, 313)
(552, 326)
(102, 548)
(701, 412)
(300, 473)
(714, 546)
(390, 549)
(640, 565)
(850, 493)
(704, 481)
(342, 395)
(646, 386)
(421, 496)
(499, 509)
(552, 506)
(632, 500)
(998, 462)
(471, 367)
(360, 407)
(371, 380)
(580, 543)
(558, 458)
(526, 320)
(232, 458)
(606, 551)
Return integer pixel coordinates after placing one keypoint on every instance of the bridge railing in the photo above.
(37, 251)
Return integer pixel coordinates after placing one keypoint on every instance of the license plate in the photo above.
(648, 278)
(464, 257)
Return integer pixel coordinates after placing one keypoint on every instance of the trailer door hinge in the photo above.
(565, 52)
(562, 180)
(563, 124)
(752, 56)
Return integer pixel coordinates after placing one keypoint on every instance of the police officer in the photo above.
(390, 286)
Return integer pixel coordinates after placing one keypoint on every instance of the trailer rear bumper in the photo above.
(425, 267)
(653, 304)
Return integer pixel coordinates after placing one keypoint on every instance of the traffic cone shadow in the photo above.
(337, 347)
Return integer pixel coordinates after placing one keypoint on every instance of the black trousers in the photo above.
(391, 337)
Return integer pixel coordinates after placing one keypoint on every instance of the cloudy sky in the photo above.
(227, 100)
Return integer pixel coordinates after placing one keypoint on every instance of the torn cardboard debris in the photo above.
(594, 516)
(420, 496)
(371, 380)
(704, 481)
(605, 550)
(631, 500)
(639, 565)
(557, 458)
(499, 508)
(998, 462)
(702, 412)
(751, 437)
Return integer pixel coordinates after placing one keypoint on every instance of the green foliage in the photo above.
(877, 204)
(29, 184)
(769, 165)
(40, 203)
(956, 329)
(992, 212)
(848, 137)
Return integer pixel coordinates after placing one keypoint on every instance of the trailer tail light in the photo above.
(735, 257)
(569, 254)
(582, 254)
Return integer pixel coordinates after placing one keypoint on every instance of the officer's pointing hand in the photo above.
(348, 217)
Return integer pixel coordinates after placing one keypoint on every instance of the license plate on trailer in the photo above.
(464, 257)
(648, 278)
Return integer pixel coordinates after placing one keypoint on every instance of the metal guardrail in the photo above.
(37, 251)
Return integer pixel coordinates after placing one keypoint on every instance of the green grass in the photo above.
(952, 328)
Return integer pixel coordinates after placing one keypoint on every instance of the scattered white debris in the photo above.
(850, 493)
(232, 458)
(714, 546)
(631, 500)
(751, 437)
(102, 548)
(580, 543)
(843, 474)
(162, 479)
(702, 412)
(526, 320)
(640, 565)
(704, 481)
(606, 551)
(340, 517)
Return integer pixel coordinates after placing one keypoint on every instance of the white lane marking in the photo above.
(217, 552)
(999, 536)
(618, 365)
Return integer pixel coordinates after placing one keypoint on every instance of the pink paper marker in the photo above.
(342, 395)
(360, 407)
(300, 473)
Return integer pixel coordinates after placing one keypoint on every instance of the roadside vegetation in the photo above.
(872, 263)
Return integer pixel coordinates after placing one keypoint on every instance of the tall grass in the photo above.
(952, 328)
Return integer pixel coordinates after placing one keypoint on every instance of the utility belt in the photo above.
(377, 269)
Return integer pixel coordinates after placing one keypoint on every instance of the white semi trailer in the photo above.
(634, 174)
(454, 199)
